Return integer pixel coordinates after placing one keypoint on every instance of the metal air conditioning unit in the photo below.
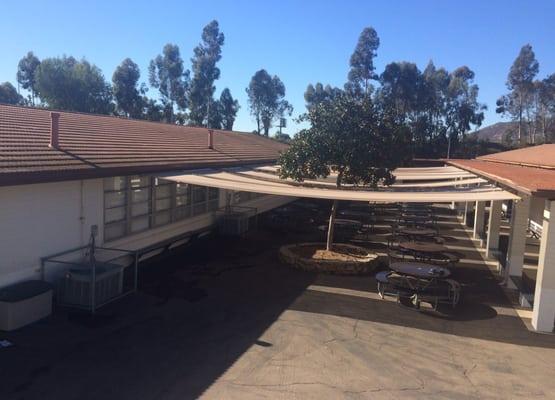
(76, 286)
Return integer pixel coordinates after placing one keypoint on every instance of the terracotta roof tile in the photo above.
(95, 146)
(542, 156)
(529, 180)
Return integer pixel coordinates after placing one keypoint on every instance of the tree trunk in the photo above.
(331, 225)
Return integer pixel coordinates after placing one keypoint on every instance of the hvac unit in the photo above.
(75, 286)
(234, 224)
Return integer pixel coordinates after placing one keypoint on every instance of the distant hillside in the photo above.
(494, 133)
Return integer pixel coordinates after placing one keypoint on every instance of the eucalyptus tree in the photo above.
(167, 74)
(26, 69)
(127, 93)
(317, 93)
(266, 96)
(349, 137)
(463, 109)
(520, 82)
(66, 83)
(545, 107)
(205, 73)
(9, 95)
(362, 63)
(228, 108)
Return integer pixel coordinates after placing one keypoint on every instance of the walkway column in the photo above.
(517, 237)
(479, 213)
(465, 212)
(543, 314)
(494, 223)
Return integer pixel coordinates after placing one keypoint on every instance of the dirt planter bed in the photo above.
(344, 259)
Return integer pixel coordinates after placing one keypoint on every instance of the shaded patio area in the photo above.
(223, 318)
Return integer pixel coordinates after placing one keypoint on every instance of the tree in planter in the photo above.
(352, 137)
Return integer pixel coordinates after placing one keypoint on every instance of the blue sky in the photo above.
(301, 41)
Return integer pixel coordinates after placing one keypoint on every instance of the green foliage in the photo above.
(68, 84)
(438, 106)
(26, 74)
(350, 136)
(282, 137)
(205, 72)
(167, 74)
(266, 99)
(362, 63)
(228, 109)
(128, 96)
(315, 94)
(520, 82)
(9, 95)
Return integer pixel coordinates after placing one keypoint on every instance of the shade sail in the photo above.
(404, 174)
(264, 180)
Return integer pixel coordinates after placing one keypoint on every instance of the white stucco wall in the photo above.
(43, 219)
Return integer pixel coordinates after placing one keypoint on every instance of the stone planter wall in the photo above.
(363, 265)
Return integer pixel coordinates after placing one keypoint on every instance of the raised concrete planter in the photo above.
(24, 303)
(360, 262)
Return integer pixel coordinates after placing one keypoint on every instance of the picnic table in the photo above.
(423, 247)
(419, 270)
(358, 214)
(416, 232)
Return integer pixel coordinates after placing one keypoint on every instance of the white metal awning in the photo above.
(442, 184)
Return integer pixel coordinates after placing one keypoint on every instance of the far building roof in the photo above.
(93, 146)
(530, 170)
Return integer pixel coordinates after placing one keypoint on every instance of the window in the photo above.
(115, 207)
(136, 203)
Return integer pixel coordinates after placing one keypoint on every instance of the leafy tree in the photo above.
(350, 137)
(520, 82)
(282, 137)
(215, 117)
(153, 111)
(463, 108)
(128, 95)
(401, 88)
(317, 93)
(205, 72)
(228, 109)
(266, 99)
(167, 74)
(9, 95)
(545, 107)
(68, 84)
(362, 63)
(26, 69)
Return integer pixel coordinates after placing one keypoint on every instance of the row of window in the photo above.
(136, 203)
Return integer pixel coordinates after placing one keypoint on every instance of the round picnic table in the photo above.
(419, 270)
(355, 213)
(423, 247)
(418, 232)
(346, 223)
(417, 213)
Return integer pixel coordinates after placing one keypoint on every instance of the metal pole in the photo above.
(93, 274)
(136, 283)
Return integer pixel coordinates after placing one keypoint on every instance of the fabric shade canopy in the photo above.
(265, 180)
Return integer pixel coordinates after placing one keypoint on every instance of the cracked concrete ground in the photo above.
(236, 324)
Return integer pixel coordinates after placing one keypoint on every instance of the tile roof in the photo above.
(96, 146)
(542, 156)
(525, 179)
